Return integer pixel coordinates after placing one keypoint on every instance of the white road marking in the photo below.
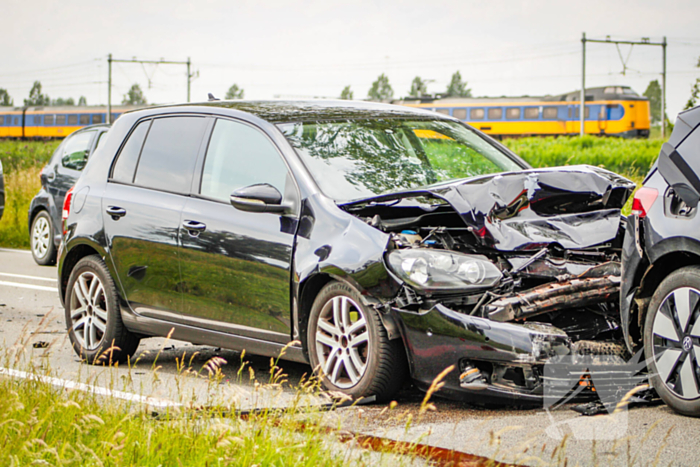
(10, 250)
(73, 385)
(29, 286)
(34, 278)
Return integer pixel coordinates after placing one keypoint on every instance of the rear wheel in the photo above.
(349, 345)
(672, 340)
(41, 239)
(93, 317)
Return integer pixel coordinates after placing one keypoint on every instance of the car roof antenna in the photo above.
(212, 98)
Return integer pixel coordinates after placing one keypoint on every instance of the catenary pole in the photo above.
(582, 105)
(109, 89)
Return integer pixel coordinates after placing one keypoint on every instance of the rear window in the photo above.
(128, 157)
(169, 154)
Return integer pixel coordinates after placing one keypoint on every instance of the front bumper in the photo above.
(512, 355)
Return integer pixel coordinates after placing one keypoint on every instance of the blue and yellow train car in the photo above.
(52, 122)
(610, 110)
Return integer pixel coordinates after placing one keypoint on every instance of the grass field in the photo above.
(23, 161)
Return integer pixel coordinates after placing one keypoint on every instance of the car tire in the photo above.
(672, 340)
(350, 348)
(93, 315)
(41, 240)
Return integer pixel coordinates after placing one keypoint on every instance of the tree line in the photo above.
(380, 90)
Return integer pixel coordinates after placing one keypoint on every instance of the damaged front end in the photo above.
(501, 273)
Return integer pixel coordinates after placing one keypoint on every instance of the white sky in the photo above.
(315, 48)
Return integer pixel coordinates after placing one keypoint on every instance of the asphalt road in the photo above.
(33, 340)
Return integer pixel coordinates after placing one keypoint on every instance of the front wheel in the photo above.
(672, 340)
(93, 317)
(41, 240)
(350, 348)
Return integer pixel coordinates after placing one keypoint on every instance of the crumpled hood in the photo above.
(575, 207)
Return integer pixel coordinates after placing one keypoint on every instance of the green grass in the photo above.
(22, 162)
(630, 158)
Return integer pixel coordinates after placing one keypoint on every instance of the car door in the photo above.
(236, 265)
(141, 207)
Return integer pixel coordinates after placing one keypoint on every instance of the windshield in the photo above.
(356, 159)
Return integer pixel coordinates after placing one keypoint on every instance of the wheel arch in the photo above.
(657, 271)
(72, 256)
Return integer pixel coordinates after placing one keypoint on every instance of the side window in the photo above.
(460, 114)
(477, 114)
(239, 156)
(532, 113)
(128, 157)
(513, 113)
(443, 111)
(76, 151)
(550, 113)
(169, 154)
(96, 118)
(84, 119)
(100, 138)
(2, 120)
(60, 119)
(48, 120)
(72, 119)
(495, 113)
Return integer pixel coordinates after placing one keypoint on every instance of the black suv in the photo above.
(377, 239)
(61, 173)
(660, 299)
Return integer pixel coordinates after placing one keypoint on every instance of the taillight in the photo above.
(644, 200)
(66, 208)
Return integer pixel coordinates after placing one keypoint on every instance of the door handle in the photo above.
(116, 212)
(194, 228)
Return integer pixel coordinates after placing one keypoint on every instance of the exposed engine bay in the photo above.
(501, 273)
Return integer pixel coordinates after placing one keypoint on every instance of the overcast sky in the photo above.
(315, 48)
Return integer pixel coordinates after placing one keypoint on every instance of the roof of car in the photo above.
(284, 111)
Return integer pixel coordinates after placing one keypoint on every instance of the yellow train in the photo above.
(52, 122)
(610, 110)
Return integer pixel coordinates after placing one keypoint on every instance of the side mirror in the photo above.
(258, 198)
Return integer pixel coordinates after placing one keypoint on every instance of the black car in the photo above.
(61, 173)
(381, 240)
(2, 192)
(661, 269)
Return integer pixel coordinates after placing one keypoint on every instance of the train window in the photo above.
(72, 119)
(550, 113)
(96, 118)
(577, 115)
(443, 111)
(2, 120)
(532, 113)
(477, 114)
(495, 113)
(460, 114)
(60, 119)
(513, 113)
(115, 117)
(84, 119)
(48, 120)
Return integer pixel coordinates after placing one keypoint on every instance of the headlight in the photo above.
(437, 270)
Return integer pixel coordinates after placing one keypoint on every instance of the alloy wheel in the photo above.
(88, 310)
(676, 342)
(41, 235)
(342, 341)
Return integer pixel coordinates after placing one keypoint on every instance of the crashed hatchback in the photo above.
(381, 241)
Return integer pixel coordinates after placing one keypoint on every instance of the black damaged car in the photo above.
(385, 241)
(660, 299)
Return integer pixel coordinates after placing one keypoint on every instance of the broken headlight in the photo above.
(436, 270)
